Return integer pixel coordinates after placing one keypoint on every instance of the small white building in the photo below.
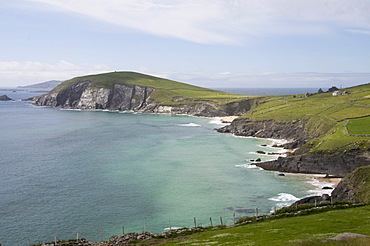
(336, 93)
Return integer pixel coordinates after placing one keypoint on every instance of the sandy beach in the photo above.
(228, 119)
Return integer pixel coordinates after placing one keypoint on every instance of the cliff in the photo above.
(329, 134)
(293, 131)
(142, 93)
(337, 164)
(355, 187)
(301, 160)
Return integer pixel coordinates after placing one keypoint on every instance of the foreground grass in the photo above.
(300, 230)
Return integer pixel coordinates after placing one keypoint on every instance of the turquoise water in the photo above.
(65, 172)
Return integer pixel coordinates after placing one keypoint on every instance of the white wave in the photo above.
(319, 184)
(127, 112)
(190, 124)
(284, 197)
(249, 166)
(283, 200)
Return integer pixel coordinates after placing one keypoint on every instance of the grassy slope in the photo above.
(167, 92)
(324, 114)
(359, 182)
(288, 231)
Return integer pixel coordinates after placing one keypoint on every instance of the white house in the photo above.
(336, 93)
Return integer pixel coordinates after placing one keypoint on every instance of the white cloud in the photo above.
(14, 73)
(223, 21)
(359, 31)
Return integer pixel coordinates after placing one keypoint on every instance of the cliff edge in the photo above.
(327, 132)
(125, 91)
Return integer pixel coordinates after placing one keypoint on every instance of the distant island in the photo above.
(44, 86)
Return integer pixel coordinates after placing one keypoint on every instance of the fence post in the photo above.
(221, 221)
(210, 219)
(234, 218)
(256, 212)
(195, 222)
(169, 224)
(123, 230)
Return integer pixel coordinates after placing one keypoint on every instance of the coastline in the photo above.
(319, 182)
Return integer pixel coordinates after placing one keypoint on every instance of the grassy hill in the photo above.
(343, 121)
(167, 92)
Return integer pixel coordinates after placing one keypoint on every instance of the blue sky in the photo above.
(210, 43)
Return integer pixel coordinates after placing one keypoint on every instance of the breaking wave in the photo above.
(283, 199)
(190, 124)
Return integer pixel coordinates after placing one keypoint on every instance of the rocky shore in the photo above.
(299, 160)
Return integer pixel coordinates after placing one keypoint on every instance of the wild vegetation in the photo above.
(341, 121)
(168, 92)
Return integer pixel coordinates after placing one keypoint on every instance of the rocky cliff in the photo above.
(122, 97)
(293, 131)
(339, 164)
(354, 187)
(301, 160)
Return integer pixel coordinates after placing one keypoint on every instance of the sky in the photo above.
(209, 43)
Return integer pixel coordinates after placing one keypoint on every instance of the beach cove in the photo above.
(68, 171)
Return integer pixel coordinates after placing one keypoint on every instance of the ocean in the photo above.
(97, 173)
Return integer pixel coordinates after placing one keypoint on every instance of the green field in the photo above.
(324, 115)
(294, 231)
(360, 126)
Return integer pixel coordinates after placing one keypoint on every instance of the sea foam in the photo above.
(283, 199)
(249, 166)
(190, 124)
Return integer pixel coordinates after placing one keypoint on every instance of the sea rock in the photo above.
(339, 164)
(5, 98)
(313, 200)
(327, 188)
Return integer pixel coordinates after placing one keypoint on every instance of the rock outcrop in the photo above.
(300, 161)
(355, 187)
(136, 98)
(5, 98)
(293, 131)
(313, 200)
(339, 164)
